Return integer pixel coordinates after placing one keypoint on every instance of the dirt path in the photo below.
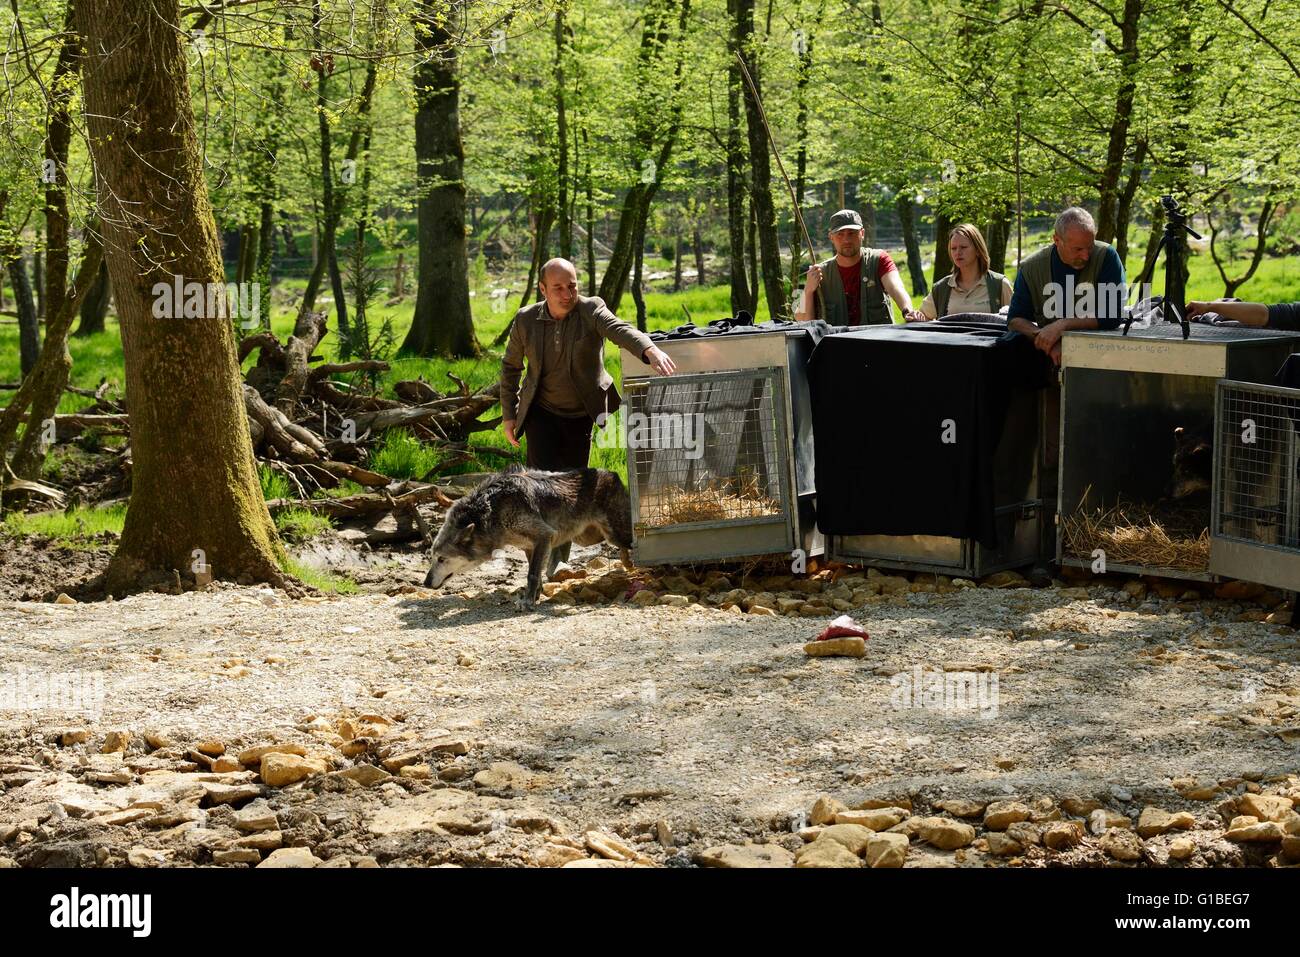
(672, 729)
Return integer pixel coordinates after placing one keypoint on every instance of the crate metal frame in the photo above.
(1233, 554)
(783, 355)
(1175, 378)
(641, 459)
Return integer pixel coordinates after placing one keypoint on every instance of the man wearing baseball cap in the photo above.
(856, 283)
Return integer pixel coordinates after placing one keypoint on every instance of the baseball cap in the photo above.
(845, 218)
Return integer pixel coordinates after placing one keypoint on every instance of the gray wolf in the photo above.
(535, 511)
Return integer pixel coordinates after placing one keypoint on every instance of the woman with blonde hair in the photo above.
(971, 286)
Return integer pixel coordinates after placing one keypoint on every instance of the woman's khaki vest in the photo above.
(943, 291)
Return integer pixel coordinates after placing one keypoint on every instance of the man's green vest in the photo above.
(1037, 270)
(943, 291)
(874, 306)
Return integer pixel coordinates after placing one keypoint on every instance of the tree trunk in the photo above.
(591, 219)
(57, 137)
(340, 303)
(265, 250)
(942, 261)
(764, 210)
(38, 279)
(677, 259)
(698, 243)
(443, 324)
(44, 386)
(94, 308)
(638, 296)
(43, 389)
(264, 176)
(1124, 207)
(1185, 70)
(29, 326)
(286, 233)
(636, 204)
(801, 137)
(1153, 240)
(1117, 144)
(740, 289)
(907, 216)
(999, 236)
(324, 247)
(562, 134)
(1232, 283)
(752, 246)
(196, 499)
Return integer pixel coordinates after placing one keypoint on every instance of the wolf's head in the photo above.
(460, 545)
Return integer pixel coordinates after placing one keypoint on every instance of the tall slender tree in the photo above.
(195, 499)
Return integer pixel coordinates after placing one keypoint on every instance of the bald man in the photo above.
(566, 389)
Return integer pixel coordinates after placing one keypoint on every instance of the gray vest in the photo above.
(1037, 270)
(874, 306)
(943, 291)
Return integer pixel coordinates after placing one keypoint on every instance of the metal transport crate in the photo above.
(720, 454)
(1255, 520)
(1122, 399)
(1024, 477)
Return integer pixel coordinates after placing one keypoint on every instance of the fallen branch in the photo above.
(355, 506)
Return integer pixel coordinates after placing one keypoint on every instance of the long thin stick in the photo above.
(794, 202)
(1020, 201)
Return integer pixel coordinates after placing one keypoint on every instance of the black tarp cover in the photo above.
(880, 399)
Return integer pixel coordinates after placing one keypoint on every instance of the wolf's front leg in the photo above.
(538, 561)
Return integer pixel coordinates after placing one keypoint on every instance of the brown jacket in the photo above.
(594, 387)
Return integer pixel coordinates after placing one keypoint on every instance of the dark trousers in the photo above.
(557, 443)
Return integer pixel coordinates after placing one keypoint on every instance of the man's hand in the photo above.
(814, 278)
(1198, 308)
(916, 315)
(509, 427)
(659, 361)
(1049, 336)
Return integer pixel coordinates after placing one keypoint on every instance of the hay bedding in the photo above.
(730, 499)
(1133, 533)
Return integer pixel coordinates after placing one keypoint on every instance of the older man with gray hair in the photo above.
(1075, 283)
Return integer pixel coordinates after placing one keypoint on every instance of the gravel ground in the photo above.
(668, 730)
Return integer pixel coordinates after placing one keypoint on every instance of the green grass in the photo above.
(401, 455)
(321, 581)
(69, 528)
(343, 489)
(300, 524)
(274, 484)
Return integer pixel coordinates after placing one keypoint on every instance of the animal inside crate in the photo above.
(720, 454)
(1255, 522)
(1122, 399)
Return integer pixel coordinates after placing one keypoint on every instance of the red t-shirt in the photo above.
(851, 280)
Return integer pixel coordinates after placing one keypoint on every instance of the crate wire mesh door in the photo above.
(1257, 494)
(736, 473)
